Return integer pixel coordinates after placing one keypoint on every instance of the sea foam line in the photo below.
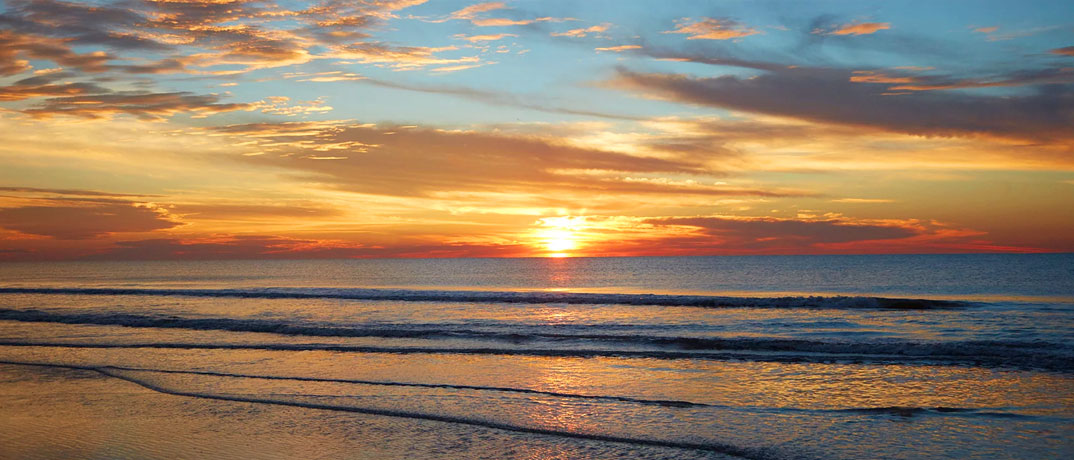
(658, 402)
(727, 449)
(530, 297)
(972, 351)
(900, 411)
(1058, 364)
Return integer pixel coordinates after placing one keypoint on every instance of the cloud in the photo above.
(993, 35)
(619, 48)
(495, 98)
(85, 221)
(247, 212)
(907, 82)
(747, 233)
(863, 200)
(472, 11)
(281, 105)
(115, 26)
(1064, 51)
(401, 57)
(854, 28)
(421, 162)
(483, 38)
(144, 105)
(733, 235)
(193, 36)
(712, 29)
(275, 247)
(323, 77)
(727, 235)
(12, 44)
(830, 96)
(68, 192)
(614, 235)
(582, 32)
(45, 86)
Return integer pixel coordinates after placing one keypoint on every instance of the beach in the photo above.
(538, 358)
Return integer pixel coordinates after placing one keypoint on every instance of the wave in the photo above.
(1036, 361)
(657, 402)
(722, 448)
(899, 411)
(895, 411)
(529, 297)
(983, 352)
(904, 411)
(1037, 354)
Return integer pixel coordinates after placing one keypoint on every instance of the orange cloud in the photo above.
(867, 76)
(484, 38)
(89, 220)
(472, 11)
(712, 29)
(582, 32)
(855, 28)
(401, 57)
(619, 48)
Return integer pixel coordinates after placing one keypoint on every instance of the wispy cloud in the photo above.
(712, 29)
(483, 38)
(854, 28)
(619, 48)
(584, 31)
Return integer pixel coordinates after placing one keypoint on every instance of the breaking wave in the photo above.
(529, 297)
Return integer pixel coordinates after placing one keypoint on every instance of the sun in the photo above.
(559, 241)
(557, 235)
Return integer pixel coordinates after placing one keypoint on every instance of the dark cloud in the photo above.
(82, 222)
(742, 235)
(56, 191)
(86, 24)
(13, 44)
(904, 81)
(749, 233)
(25, 91)
(157, 67)
(245, 33)
(729, 235)
(145, 105)
(829, 96)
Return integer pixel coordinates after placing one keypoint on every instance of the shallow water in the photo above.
(817, 357)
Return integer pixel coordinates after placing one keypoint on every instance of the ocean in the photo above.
(760, 357)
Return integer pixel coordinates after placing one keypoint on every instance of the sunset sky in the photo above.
(219, 129)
